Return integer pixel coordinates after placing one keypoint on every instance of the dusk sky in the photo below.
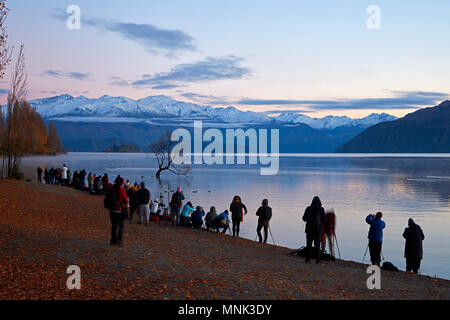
(316, 57)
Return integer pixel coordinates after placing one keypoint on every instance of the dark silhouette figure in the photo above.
(413, 246)
(238, 210)
(264, 214)
(314, 217)
(39, 174)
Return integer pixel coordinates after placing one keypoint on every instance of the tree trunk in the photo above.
(158, 174)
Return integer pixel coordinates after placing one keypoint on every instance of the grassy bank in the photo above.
(44, 229)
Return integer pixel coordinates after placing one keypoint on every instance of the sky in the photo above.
(314, 57)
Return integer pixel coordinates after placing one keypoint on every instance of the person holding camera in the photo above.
(375, 236)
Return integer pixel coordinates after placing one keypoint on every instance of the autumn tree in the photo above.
(162, 150)
(53, 140)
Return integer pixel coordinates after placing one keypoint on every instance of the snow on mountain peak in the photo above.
(332, 122)
(149, 107)
(65, 106)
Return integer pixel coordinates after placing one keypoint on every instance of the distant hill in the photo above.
(424, 131)
(124, 148)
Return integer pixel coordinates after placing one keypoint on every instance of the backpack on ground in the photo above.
(389, 266)
(301, 252)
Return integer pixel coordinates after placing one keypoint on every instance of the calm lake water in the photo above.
(401, 186)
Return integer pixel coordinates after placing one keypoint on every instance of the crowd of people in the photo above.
(123, 200)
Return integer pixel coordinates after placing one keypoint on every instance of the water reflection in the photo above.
(401, 187)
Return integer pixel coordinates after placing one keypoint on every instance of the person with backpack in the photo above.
(375, 236)
(39, 174)
(197, 218)
(329, 232)
(175, 206)
(414, 237)
(238, 210)
(143, 201)
(314, 217)
(117, 202)
(264, 214)
(209, 219)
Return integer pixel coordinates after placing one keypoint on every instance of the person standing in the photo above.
(175, 206)
(64, 175)
(314, 217)
(47, 176)
(264, 214)
(413, 246)
(105, 181)
(117, 211)
(329, 232)
(375, 236)
(39, 174)
(238, 210)
(131, 193)
(143, 201)
(90, 179)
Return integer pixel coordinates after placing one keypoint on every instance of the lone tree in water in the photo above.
(162, 150)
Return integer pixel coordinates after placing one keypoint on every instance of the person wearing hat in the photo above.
(413, 246)
(375, 236)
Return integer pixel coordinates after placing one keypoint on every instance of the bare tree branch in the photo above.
(162, 150)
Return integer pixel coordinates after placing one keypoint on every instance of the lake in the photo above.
(401, 186)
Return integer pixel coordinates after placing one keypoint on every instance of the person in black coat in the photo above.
(39, 174)
(314, 217)
(264, 214)
(238, 210)
(413, 246)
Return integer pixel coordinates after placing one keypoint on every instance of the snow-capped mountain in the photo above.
(332, 122)
(66, 107)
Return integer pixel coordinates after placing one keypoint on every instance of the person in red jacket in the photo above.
(118, 211)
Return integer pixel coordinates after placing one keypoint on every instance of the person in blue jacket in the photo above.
(375, 236)
(185, 214)
(197, 217)
(222, 221)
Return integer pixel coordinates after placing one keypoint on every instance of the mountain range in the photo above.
(95, 124)
(66, 107)
(424, 131)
